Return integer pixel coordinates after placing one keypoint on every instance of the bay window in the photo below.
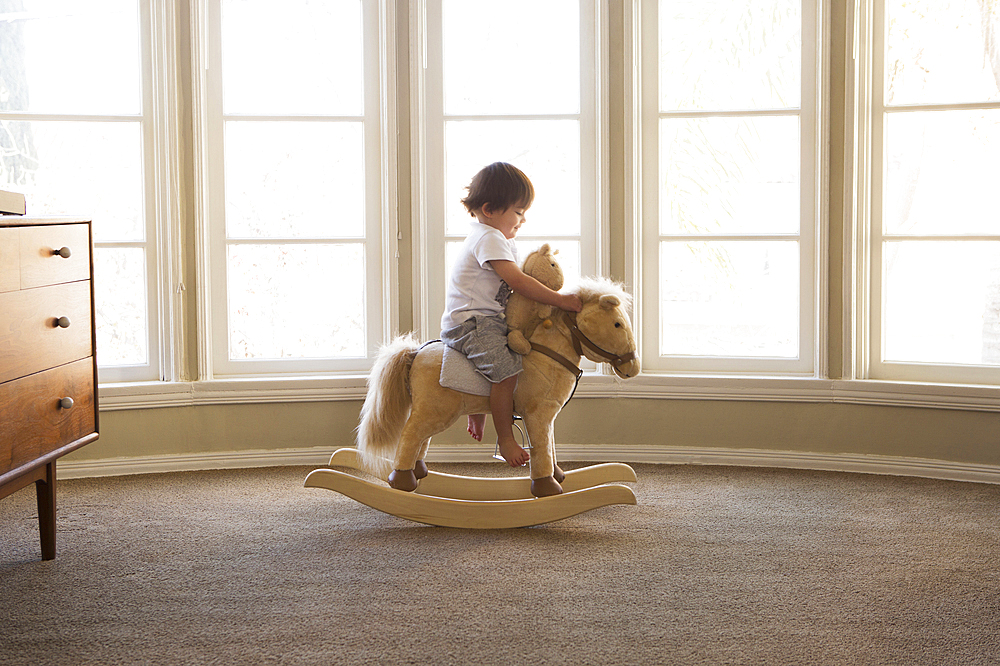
(730, 207)
(293, 186)
(261, 239)
(934, 226)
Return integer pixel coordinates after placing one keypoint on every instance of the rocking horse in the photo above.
(407, 404)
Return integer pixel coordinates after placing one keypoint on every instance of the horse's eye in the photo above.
(618, 324)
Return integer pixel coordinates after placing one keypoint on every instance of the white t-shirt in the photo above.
(474, 288)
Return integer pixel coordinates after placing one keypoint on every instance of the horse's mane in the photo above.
(591, 288)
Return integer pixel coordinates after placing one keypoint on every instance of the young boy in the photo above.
(485, 274)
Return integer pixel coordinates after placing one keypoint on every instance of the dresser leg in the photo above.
(46, 492)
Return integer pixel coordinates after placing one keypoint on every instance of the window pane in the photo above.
(296, 301)
(293, 57)
(120, 305)
(729, 299)
(942, 51)
(70, 56)
(942, 302)
(729, 175)
(719, 54)
(511, 57)
(86, 169)
(294, 179)
(942, 172)
(547, 151)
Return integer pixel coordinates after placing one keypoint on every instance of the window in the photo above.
(729, 98)
(293, 186)
(515, 82)
(935, 237)
(84, 145)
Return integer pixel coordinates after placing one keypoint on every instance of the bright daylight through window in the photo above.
(935, 225)
(78, 144)
(295, 229)
(287, 180)
(730, 208)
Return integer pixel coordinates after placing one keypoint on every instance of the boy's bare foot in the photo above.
(513, 453)
(477, 424)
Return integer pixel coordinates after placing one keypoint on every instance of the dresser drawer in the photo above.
(10, 260)
(40, 262)
(31, 339)
(35, 423)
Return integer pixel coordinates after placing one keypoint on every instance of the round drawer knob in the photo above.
(66, 403)
(62, 322)
(63, 252)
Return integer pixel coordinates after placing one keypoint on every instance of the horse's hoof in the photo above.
(420, 469)
(403, 479)
(559, 475)
(545, 487)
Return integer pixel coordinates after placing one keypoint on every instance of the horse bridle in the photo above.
(580, 340)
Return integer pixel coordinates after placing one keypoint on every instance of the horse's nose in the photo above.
(629, 370)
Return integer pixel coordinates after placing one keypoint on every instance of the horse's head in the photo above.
(603, 332)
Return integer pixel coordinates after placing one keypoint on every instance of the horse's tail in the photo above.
(387, 404)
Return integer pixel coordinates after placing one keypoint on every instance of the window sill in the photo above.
(150, 395)
(795, 389)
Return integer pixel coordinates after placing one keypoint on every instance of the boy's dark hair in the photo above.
(499, 186)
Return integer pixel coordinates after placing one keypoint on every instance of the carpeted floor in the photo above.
(716, 565)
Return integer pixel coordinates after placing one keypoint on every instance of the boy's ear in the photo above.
(487, 210)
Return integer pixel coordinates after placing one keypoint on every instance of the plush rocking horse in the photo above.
(407, 404)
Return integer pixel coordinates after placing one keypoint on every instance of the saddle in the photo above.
(459, 374)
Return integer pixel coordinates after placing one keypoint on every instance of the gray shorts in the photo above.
(484, 341)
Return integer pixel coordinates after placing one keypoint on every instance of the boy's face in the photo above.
(506, 222)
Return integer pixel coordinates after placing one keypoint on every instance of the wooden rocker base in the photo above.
(449, 500)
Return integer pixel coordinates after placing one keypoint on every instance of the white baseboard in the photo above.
(320, 457)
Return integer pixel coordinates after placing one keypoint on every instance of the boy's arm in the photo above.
(524, 284)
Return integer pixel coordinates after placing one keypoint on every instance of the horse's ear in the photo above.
(545, 249)
(610, 301)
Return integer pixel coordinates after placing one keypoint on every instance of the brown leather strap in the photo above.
(578, 337)
(556, 356)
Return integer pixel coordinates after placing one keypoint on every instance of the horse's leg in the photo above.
(420, 468)
(408, 466)
(434, 409)
(538, 422)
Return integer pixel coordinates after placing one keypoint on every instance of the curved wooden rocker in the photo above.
(455, 486)
(449, 500)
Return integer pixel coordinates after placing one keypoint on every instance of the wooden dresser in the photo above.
(48, 368)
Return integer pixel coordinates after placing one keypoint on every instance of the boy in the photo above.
(485, 274)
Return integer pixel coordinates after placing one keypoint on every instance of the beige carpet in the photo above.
(716, 565)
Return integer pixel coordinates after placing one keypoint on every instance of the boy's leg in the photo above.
(477, 424)
(502, 408)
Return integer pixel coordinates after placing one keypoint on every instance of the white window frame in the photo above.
(810, 361)
(427, 173)
(380, 223)
(870, 49)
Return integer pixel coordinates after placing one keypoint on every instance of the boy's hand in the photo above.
(570, 303)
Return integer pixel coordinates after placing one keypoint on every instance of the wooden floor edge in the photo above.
(469, 514)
